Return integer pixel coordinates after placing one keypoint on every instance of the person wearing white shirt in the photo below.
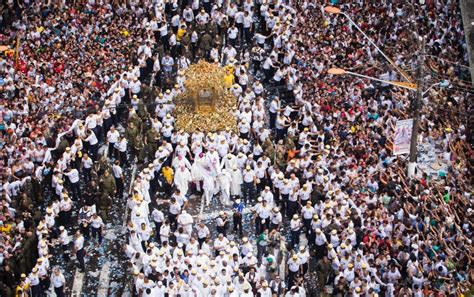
(248, 187)
(274, 108)
(135, 87)
(320, 241)
(295, 227)
(73, 176)
(87, 164)
(188, 15)
(158, 219)
(175, 22)
(247, 21)
(96, 227)
(243, 80)
(202, 233)
(79, 248)
(265, 291)
(244, 128)
(117, 172)
(232, 34)
(59, 282)
(167, 62)
(164, 232)
(202, 17)
(294, 268)
(186, 221)
(93, 144)
(229, 52)
(263, 220)
(113, 137)
(91, 121)
(34, 280)
(221, 243)
(64, 241)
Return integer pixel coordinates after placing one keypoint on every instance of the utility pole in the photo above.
(416, 106)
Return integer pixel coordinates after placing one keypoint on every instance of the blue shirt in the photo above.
(238, 207)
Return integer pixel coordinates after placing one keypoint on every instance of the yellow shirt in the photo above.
(229, 68)
(6, 229)
(180, 34)
(168, 174)
(229, 80)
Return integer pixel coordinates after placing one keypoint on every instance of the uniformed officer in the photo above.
(151, 142)
(109, 189)
(139, 150)
(131, 134)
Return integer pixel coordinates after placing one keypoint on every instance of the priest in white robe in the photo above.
(236, 182)
(224, 185)
(182, 178)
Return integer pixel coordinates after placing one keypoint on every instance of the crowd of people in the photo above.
(310, 161)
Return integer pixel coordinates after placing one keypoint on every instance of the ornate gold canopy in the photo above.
(205, 104)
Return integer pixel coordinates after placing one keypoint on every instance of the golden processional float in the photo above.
(205, 104)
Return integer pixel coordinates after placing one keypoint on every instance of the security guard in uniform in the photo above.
(139, 148)
(109, 189)
(131, 134)
(151, 141)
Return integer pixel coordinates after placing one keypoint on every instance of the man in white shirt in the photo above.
(121, 147)
(265, 291)
(188, 15)
(202, 233)
(247, 26)
(64, 240)
(158, 219)
(167, 62)
(59, 282)
(263, 219)
(202, 17)
(248, 187)
(117, 172)
(73, 176)
(135, 87)
(87, 164)
(186, 221)
(294, 268)
(273, 110)
(96, 227)
(79, 248)
(232, 34)
(113, 136)
(34, 280)
(93, 144)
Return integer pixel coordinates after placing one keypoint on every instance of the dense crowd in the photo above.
(311, 160)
